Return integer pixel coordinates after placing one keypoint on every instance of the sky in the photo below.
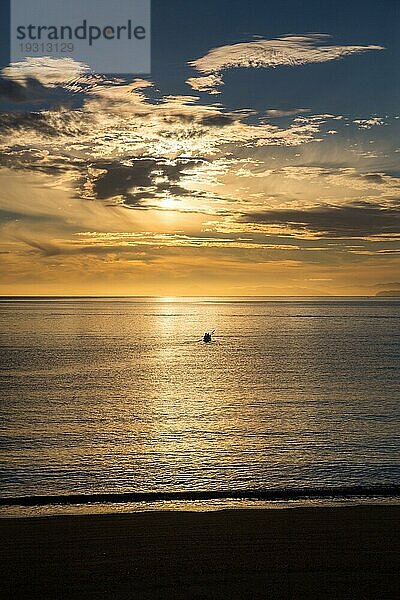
(261, 156)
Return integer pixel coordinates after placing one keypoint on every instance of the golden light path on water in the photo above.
(289, 394)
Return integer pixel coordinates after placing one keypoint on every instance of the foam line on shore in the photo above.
(260, 494)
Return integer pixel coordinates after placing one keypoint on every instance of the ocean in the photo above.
(119, 398)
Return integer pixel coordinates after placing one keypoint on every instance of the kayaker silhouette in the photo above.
(207, 337)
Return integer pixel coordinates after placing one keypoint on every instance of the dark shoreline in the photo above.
(300, 553)
(340, 492)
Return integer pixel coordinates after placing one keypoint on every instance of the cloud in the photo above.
(288, 50)
(122, 241)
(395, 284)
(179, 163)
(36, 126)
(111, 143)
(369, 123)
(45, 69)
(209, 83)
(274, 113)
(43, 82)
(137, 179)
(33, 93)
(360, 220)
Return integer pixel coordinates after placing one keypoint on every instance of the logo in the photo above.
(107, 36)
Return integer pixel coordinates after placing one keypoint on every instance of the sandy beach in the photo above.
(330, 552)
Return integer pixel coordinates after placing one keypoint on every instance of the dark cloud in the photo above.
(45, 247)
(156, 174)
(134, 179)
(51, 249)
(352, 220)
(12, 90)
(216, 120)
(32, 93)
(21, 122)
(374, 178)
(211, 117)
(395, 284)
(24, 158)
(61, 122)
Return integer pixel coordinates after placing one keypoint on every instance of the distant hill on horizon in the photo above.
(388, 293)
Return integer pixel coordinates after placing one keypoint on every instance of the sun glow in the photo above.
(169, 203)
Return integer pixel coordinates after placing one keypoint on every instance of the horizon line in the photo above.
(3, 296)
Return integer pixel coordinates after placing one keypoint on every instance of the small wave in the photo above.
(257, 494)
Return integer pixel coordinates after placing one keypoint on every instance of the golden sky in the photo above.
(109, 186)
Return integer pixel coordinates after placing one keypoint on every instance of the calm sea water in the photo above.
(119, 395)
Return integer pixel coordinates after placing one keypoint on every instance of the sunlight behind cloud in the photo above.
(128, 183)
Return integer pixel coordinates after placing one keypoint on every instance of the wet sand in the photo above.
(331, 552)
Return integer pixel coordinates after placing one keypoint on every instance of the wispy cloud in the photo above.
(288, 50)
(276, 113)
(45, 69)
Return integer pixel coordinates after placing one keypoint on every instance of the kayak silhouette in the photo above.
(207, 336)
